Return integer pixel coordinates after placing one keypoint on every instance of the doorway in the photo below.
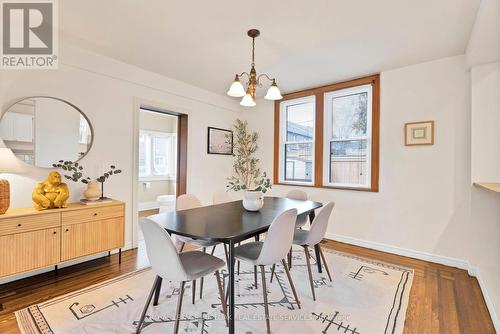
(160, 162)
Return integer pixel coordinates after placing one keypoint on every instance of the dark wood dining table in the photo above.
(230, 223)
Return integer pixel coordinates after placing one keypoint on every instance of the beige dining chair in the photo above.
(185, 202)
(178, 267)
(270, 251)
(312, 238)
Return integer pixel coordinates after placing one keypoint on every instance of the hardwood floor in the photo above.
(442, 300)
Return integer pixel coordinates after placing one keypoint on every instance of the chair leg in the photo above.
(213, 250)
(291, 282)
(201, 279)
(324, 263)
(225, 252)
(306, 249)
(194, 290)
(272, 272)
(148, 301)
(238, 270)
(157, 291)
(264, 292)
(290, 259)
(222, 297)
(182, 247)
(179, 306)
(255, 275)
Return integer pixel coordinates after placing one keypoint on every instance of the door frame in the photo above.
(182, 148)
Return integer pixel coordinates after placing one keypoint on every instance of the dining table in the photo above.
(230, 223)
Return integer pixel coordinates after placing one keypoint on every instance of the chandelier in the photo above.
(254, 81)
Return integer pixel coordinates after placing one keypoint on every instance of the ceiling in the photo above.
(303, 43)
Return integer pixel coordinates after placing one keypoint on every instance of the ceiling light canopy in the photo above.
(254, 81)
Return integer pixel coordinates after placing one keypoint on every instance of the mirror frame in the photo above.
(60, 100)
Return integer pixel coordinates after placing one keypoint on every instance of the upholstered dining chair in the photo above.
(185, 202)
(302, 196)
(312, 238)
(270, 251)
(177, 267)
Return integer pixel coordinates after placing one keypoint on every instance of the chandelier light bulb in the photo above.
(273, 93)
(247, 101)
(236, 89)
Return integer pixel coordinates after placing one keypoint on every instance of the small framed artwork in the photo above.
(220, 141)
(419, 133)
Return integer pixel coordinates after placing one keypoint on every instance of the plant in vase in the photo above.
(247, 175)
(92, 193)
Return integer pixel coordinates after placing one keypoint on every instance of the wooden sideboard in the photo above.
(31, 239)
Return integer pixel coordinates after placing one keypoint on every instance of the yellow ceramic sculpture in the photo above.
(51, 193)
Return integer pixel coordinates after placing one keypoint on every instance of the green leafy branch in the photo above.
(76, 172)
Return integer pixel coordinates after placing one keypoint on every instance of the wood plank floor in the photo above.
(442, 300)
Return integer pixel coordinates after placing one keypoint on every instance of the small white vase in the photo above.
(253, 200)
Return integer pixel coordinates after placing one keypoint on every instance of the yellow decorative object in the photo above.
(51, 193)
(4, 196)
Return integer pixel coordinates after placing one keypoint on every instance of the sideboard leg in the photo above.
(56, 270)
(120, 256)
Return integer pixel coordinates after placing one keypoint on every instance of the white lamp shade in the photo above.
(273, 93)
(8, 161)
(247, 101)
(236, 89)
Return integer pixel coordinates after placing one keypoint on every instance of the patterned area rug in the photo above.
(365, 297)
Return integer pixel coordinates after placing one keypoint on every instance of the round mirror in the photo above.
(43, 130)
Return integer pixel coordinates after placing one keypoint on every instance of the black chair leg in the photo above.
(272, 272)
(201, 279)
(179, 306)
(264, 292)
(290, 259)
(255, 275)
(182, 247)
(157, 291)
(194, 289)
(148, 301)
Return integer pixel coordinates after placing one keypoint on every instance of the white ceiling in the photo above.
(302, 43)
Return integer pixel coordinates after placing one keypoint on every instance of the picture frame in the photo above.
(219, 141)
(419, 133)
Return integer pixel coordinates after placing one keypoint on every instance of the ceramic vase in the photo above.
(93, 193)
(253, 200)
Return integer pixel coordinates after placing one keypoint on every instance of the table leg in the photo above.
(231, 287)
(316, 248)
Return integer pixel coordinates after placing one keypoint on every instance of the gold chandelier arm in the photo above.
(244, 73)
(266, 76)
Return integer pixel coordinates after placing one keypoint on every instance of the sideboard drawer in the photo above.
(92, 214)
(29, 223)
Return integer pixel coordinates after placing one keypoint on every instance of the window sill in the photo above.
(153, 178)
(372, 190)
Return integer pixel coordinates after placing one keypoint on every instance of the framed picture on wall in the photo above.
(220, 141)
(419, 133)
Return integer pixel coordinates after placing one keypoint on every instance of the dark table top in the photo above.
(229, 221)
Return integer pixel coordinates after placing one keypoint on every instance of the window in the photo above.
(345, 119)
(297, 140)
(157, 155)
(347, 134)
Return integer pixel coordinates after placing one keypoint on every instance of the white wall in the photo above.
(107, 91)
(426, 200)
(422, 189)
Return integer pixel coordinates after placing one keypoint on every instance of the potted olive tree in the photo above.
(247, 175)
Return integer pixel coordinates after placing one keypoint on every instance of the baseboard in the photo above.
(487, 298)
(439, 259)
(444, 260)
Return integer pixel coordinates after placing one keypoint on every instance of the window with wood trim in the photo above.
(329, 136)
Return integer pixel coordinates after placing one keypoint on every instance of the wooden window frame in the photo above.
(318, 93)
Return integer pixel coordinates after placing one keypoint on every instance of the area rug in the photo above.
(366, 296)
